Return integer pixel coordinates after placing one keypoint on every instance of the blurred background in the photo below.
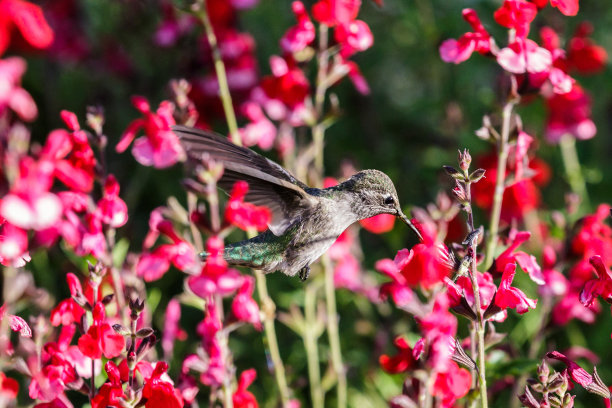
(419, 112)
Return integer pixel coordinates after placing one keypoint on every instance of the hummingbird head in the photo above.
(373, 194)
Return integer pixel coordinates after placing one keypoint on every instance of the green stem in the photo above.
(224, 93)
(502, 159)
(310, 343)
(573, 171)
(270, 340)
(333, 332)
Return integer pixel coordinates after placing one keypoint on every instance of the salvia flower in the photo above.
(100, 337)
(244, 307)
(159, 147)
(29, 20)
(159, 392)
(402, 361)
(457, 51)
(597, 287)
(302, 34)
(511, 297)
(12, 95)
(243, 398)
(245, 215)
(527, 262)
(111, 393)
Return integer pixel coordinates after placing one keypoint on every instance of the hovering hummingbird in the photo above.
(305, 221)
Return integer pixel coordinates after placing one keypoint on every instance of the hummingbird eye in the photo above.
(389, 200)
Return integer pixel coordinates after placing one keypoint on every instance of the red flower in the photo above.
(516, 14)
(379, 224)
(28, 18)
(159, 147)
(245, 215)
(303, 33)
(570, 114)
(427, 263)
(597, 287)
(400, 362)
(12, 95)
(101, 338)
(452, 384)
(520, 197)
(333, 12)
(8, 387)
(479, 40)
(567, 7)
(287, 84)
(160, 393)
(243, 398)
(582, 54)
(527, 262)
(511, 297)
(353, 37)
(244, 307)
(260, 131)
(594, 237)
(111, 393)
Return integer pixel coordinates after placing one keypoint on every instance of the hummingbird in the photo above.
(305, 221)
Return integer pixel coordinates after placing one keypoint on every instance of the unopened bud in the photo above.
(120, 329)
(108, 298)
(543, 372)
(95, 119)
(528, 400)
(453, 172)
(597, 386)
(477, 175)
(146, 332)
(465, 160)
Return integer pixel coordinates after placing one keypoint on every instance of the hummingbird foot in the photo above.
(304, 273)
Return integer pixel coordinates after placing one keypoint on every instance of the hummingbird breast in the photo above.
(302, 243)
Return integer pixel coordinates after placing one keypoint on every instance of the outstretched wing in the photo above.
(269, 184)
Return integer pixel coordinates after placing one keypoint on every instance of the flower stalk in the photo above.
(201, 12)
(573, 170)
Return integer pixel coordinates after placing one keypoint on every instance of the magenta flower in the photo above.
(576, 373)
(16, 323)
(399, 290)
(243, 398)
(479, 40)
(597, 287)
(159, 147)
(354, 36)
(28, 18)
(112, 209)
(511, 297)
(245, 215)
(516, 14)
(215, 276)
(300, 35)
(334, 12)
(260, 131)
(244, 307)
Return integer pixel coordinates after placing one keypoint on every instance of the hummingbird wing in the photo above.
(269, 183)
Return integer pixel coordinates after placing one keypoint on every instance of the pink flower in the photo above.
(159, 147)
(398, 289)
(113, 210)
(172, 331)
(28, 18)
(13, 245)
(302, 34)
(245, 215)
(261, 131)
(567, 7)
(439, 328)
(244, 307)
(8, 387)
(403, 361)
(594, 236)
(527, 262)
(479, 40)
(16, 323)
(29, 204)
(379, 224)
(215, 276)
(511, 297)
(12, 95)
(153, 265)
(101, 338)
(285, 91)
(354, 36)
(570, 114)
(243, 398)
(570, 308)
(524, 55)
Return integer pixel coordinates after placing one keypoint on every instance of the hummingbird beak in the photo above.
(404, 218)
